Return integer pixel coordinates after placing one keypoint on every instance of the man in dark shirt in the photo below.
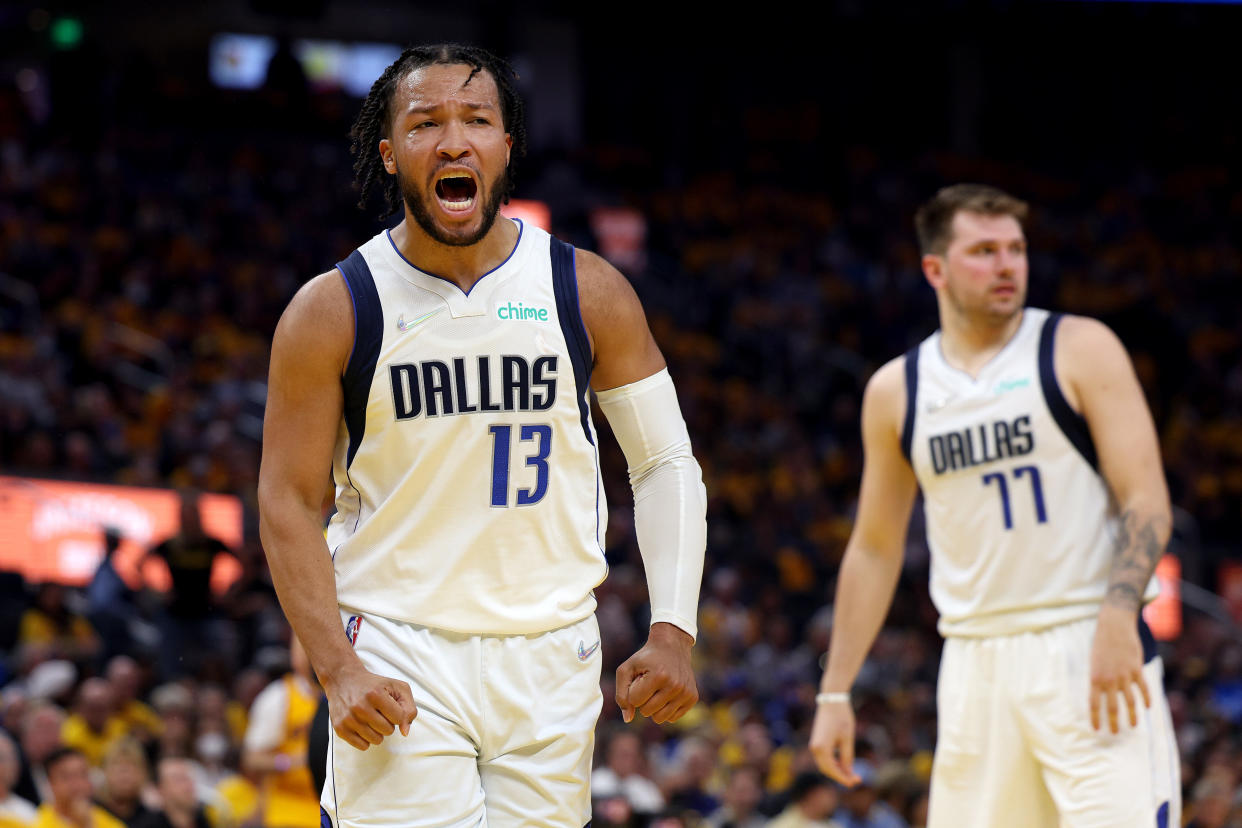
(189, 622)
(180, 805)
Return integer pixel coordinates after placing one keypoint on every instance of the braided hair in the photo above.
(375, 119)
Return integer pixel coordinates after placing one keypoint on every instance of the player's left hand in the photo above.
(1116, 666)
(658, 681)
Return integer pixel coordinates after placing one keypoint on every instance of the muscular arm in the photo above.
(669, 500)
(1099, 381)
(622, 347)
(871, 565)
(304, 402)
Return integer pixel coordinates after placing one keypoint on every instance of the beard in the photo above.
(416, 203)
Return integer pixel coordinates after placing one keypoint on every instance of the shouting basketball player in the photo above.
(442, 374)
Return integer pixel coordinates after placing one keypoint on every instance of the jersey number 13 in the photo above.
(502, 436)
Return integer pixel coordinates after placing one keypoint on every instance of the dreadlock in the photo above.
(375, 119)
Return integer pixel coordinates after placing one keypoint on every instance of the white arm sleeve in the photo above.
(670, 501)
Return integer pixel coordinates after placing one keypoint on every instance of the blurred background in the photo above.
(170, 175)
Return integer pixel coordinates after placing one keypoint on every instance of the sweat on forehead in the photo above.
(432, 80)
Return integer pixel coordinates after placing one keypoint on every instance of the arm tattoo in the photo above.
(1139, 548)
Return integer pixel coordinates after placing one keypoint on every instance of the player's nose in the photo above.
(1006, 262)
(453, 143)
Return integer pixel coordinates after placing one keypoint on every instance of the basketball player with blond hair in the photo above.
(1046, 512)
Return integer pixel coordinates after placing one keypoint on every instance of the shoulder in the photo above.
(1086, 350)
(19, 807)
(1082, 334)
(603, 291)
(275, 695)
(319, 320)
(326, 295)
(884, 398)
(622, 348)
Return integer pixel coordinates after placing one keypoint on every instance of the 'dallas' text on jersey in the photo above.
(1020, 523)
(467, 481)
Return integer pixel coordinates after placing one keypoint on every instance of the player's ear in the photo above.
(934, 270)
(508, 148)
(385, 151)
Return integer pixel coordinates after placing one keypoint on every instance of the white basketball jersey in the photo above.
(468, 495)
(1020, 523)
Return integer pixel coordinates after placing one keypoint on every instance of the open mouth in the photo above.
(456, 191)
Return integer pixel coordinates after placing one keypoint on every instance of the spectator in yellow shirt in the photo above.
(93, 726)
(68, 775)
(49, 629)
(276, 745)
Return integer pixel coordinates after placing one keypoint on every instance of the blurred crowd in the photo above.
(144, 261)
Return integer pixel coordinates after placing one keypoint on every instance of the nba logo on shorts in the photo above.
(351, 628)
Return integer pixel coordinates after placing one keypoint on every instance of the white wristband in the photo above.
(832, 698)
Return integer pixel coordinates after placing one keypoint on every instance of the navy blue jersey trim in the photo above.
(1162, 815)
(1147, 639)
(1072, 424)
(368, 334)
(565, 286)
(521, 227)
(912, 392)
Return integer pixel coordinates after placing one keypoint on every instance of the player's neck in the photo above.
(968, 344)
(463, 266)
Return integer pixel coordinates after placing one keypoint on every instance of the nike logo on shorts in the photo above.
(585, 652)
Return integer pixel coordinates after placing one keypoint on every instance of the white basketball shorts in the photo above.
(1016, 747)
(503, 738)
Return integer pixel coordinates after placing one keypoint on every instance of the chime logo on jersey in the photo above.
(465, 385)
(512, 312)
(1005, 386)
(351, 628)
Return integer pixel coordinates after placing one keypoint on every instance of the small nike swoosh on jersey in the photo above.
(586, 652)
(936, 405)
(404, 326)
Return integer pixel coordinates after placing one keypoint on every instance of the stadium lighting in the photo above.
(66, 32)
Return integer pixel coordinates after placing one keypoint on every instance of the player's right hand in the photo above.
(366, 707)
(832, 742)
